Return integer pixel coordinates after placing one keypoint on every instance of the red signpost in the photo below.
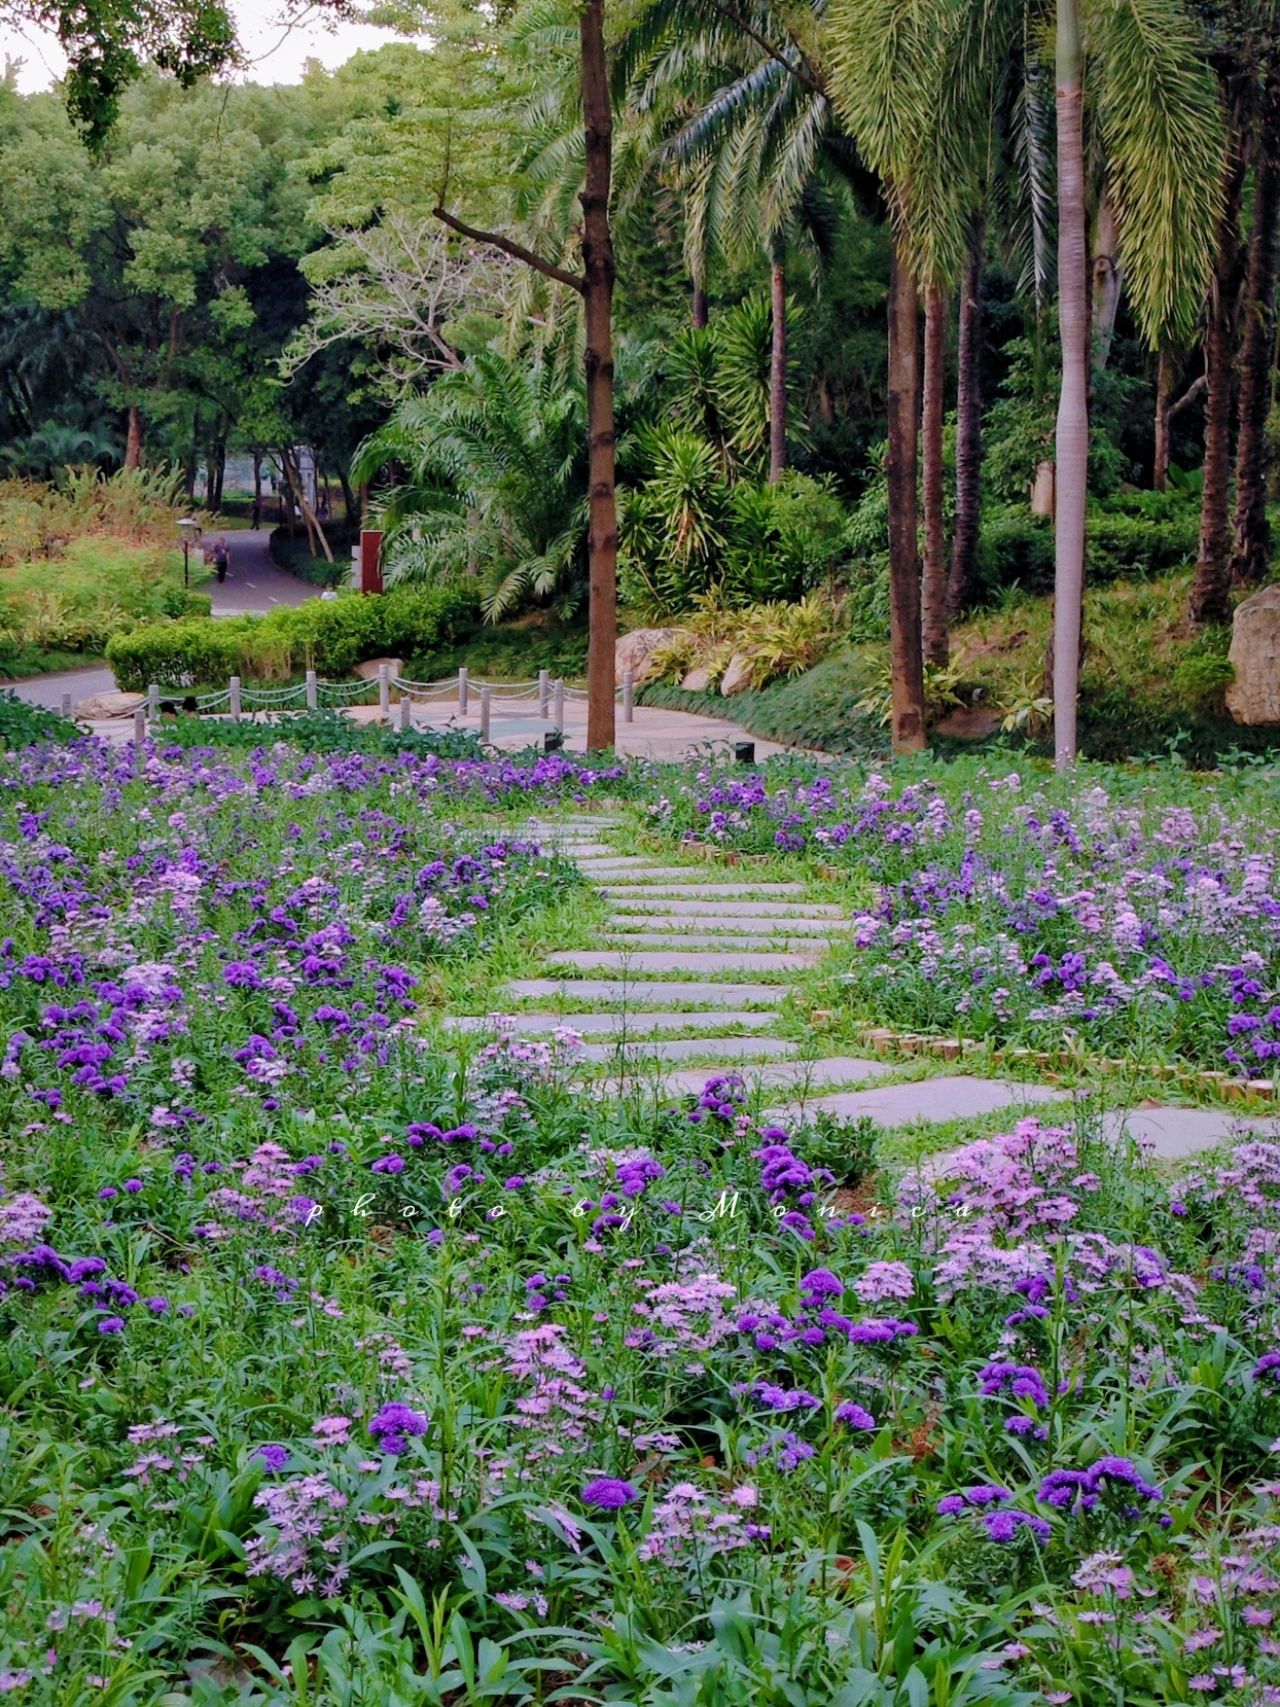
(371, 560)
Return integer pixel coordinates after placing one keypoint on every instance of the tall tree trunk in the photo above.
(964, 543)
(778, 374)
(701, 307)
(257, 489)
(598, 275)
(210, 481)
(1071, 445)
(1164, 396)
(1106, 281)
(350, 503)
(1251, 554)
(133, 438)
(219, 471)
(1208, 601)
(933, 602)
(906, 661)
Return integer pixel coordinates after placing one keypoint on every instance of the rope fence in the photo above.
(551, 697)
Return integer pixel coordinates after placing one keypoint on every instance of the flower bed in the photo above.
(1136, 920)
(339, 1366)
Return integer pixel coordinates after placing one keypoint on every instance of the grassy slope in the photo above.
(1148, 683)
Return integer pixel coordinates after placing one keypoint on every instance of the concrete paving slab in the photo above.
(731, 1050)
(672, 960)
(626, 1024)
(633, 992)
(640, 905)
(642, 876)
(1174, 1133)
(676, 890)
(797, 1077)
(732, 924)
(952, 1098)
(728, 941)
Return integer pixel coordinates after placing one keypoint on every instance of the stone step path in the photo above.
(667, 920)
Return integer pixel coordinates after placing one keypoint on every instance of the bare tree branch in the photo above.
(1188, 396)
(495, 240)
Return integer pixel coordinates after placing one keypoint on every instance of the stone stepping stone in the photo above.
(1177, 1132)
(641, 875)
(732, 923)
(632, 864)
(794, 912)
(670, 960)
(626, 1024)
(628, 991)
(676, 890)
(724, 940)
(926, 1099)
(791, 1075)
(731, 1050)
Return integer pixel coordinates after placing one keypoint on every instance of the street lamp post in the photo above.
(189, 528)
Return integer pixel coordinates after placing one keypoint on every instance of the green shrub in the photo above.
(1016, 548)
(291, 553)
(330, 636)
(320, 732)
(24, 725)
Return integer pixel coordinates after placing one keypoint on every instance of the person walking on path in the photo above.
(221, 558)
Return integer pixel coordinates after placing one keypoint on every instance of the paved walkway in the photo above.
(253, 585)
(665, 986)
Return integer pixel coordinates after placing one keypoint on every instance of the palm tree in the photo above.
(489, 481)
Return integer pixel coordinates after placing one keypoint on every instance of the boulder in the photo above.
(1254, 695)
(969, 723)
(368, 671)
(635, 652)
(699, 680)
(737, 677)
(103, 705)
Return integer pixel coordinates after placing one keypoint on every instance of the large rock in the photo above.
(1254, 695)
(635, 652)
(969, 723)
(698, 680)
(737, 677)
(103, 705)
(368, 671)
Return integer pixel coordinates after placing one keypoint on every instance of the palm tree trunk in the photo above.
(778, 375)
(1072, 439)
(906, 661)
(964, 543)
(133, 438)
(933, 622)
(598, 275)
(701, 308)
(1208, 601)
(1251, 556)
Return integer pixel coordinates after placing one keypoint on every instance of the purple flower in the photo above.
(392, 1164)
(110, 1324)
(394, 1424)
(853, 1416)
(608, 1493)
(274, 1456)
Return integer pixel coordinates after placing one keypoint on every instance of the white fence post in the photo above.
(629, 697)
(66, 705)
(406, 713)
(558, 703)
(384, 692)
(153, 700)
(234, 691)
(462, 693)
(485, 709)
(313, 693)
(139, 726)
(544, 692)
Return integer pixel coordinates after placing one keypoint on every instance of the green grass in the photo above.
(58, 613)
(509, 652)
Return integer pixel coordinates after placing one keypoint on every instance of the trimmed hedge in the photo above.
(1017, 547)
(330, 636)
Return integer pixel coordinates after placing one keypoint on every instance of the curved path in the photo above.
(253, 586)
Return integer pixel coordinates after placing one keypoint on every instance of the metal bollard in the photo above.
(629, 697)
(544, 692)
(153, 700)
(139, 726)
(66, 706)
(234, 689)
(485, 708)
(462, 693)
(558, 707)
(313, 692)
